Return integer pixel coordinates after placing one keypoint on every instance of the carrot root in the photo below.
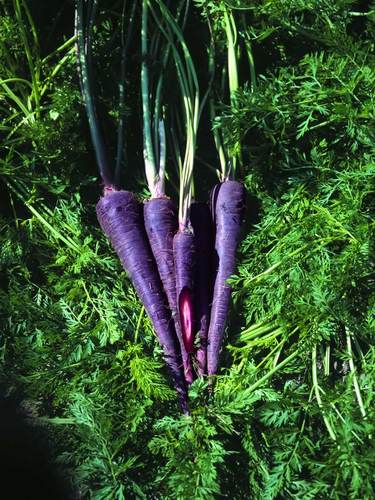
(161, 225)
(228, 206)
(184, 259)
(201, 221)
(121, 219)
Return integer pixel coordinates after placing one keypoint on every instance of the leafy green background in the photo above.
(292, 415)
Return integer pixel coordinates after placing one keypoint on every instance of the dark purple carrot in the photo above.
(201, 221)
(161, 225)
(184, 253)
(228, 214)
(119, 213)
(120, 217)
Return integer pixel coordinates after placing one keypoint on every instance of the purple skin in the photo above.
(184, 259)
(161, 225)
(120, 217)
(229, 208)
(201, 221)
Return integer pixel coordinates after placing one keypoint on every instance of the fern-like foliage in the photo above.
(292, 410)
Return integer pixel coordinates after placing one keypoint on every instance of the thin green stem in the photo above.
(277, 348)
(340, 415)
(57, 234)
(139, 322)
(148, 152)
(121, 123)
(257, 330)
(55, 70)
(317, 394)
(162, 156)
(249, 54)
(17, 101)
(67, 44)
(270, 373)
(231, 33)
(354, 374)
(158, 95)
(84, 63)
(327, 357)
(215, 130)
(188, 82)
(33, 60)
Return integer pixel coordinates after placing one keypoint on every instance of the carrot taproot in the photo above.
(184, 253)
(201, 221)
(161, 224)
(228, 206)
(121, 219)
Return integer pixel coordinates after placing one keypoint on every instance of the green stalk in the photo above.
(231, 33)
(277, 348)
(270, 373)
(250, 334)
(340, 416)
(23, 193)
(327, 356)
(148, 152)
(317, 394)
(84, 63)
(159, 89)
(34, 66)
(56, 69)
(139, 322)
(162, 155)
(188, 83)
(264, 339)
(250, 58)
(249, 54)
(354, 375)
(228, 164)
(215, 130)
(59, 49)
(121, 124)
(17, 101)
(57, 234)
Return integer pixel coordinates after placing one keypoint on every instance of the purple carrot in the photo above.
(120, 217)
(228, 204)
(161, 225)
(184, 261)
(201, 221)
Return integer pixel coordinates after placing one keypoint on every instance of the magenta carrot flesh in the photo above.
(228, 208)
(185, 301)
(121, 219)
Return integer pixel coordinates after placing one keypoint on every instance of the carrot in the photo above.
(118, 212)
(161, 225)
(228, 206)
(120, 217)
(184, 253)
(201, 221)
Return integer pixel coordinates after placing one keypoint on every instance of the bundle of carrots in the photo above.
(179, 260)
